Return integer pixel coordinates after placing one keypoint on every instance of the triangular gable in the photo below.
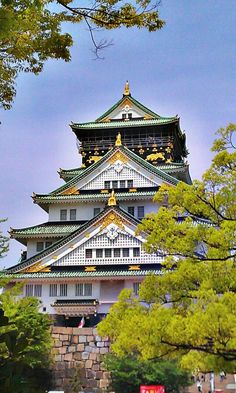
(127, 104)
(120, 156)
(111, 219)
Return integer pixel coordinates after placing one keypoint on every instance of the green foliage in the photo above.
(31, 32)
(3, 243)
(129, 373)
(25, 344)
(188, 313)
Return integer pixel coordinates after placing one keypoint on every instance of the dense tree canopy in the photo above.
(129, 373)
(25, 344)
(31, 32)
(190, 311)
(3, 243)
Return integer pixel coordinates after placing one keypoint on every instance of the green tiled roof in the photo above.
(120, 196)
(45, 229)
(135, 102)
(123, 124)
(69, 173)
(74, 274)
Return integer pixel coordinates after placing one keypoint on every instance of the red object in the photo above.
(152, 389)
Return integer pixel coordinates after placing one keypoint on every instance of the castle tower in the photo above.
(87, 252)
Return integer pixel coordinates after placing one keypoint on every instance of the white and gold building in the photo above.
(79, 260)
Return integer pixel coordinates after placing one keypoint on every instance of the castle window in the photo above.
(140, 212)
(123, 116)
(99, 253)
(136, 252)
(48, 244)
(72, 214)
(125, 252)
(87, 289)
(83, 289)
(96, 211)
(39, 246)
(114, 184)
(53, 290)
(88, 253)
(131, 210)
(116, 252)
(107, 184)
(130, 183)
(136, 286)
(63, 215)
(29, 290)
(129, 116)
(122, 183)
(38, 290)
(63, 289)
(107, 252)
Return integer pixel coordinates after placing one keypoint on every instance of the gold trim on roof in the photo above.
(118, 140)
(134, 267)
(90, 268)
(112, 199)
(126, 89)
(111, 218)
(118, 156)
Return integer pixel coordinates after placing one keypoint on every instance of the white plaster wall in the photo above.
(149, 206)
(47, 301)
(31, 245)
(110, 290)
(83, 211)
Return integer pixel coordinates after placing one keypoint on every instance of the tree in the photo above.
(129, 373)
(190, 311)
(25, 344)
(3, 243)
(31, 32)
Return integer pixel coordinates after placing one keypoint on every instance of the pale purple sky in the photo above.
(188, 68)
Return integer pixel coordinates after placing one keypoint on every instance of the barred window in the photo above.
(48, 244)
(63, 289)
(88, 253)
(38, 290)
(29, 290)
(79, 289)
(114, 184)
(53, 290)
(136, 252)
(140, 212)
(83, 289)
(72, 214)
(130, 183)
(125, 252)
(136, 286)
(107, 252)
(87, 289)
(63, 215)
(131, 210)
(39, 246)
(116, 252)
(96, 211)
(99, 253)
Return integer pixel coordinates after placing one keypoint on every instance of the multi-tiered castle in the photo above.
(79, 260)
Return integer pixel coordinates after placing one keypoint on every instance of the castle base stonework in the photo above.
(78, 360)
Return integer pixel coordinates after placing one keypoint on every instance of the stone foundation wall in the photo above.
(78, 360)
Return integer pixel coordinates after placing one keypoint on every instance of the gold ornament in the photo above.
(112, 199)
